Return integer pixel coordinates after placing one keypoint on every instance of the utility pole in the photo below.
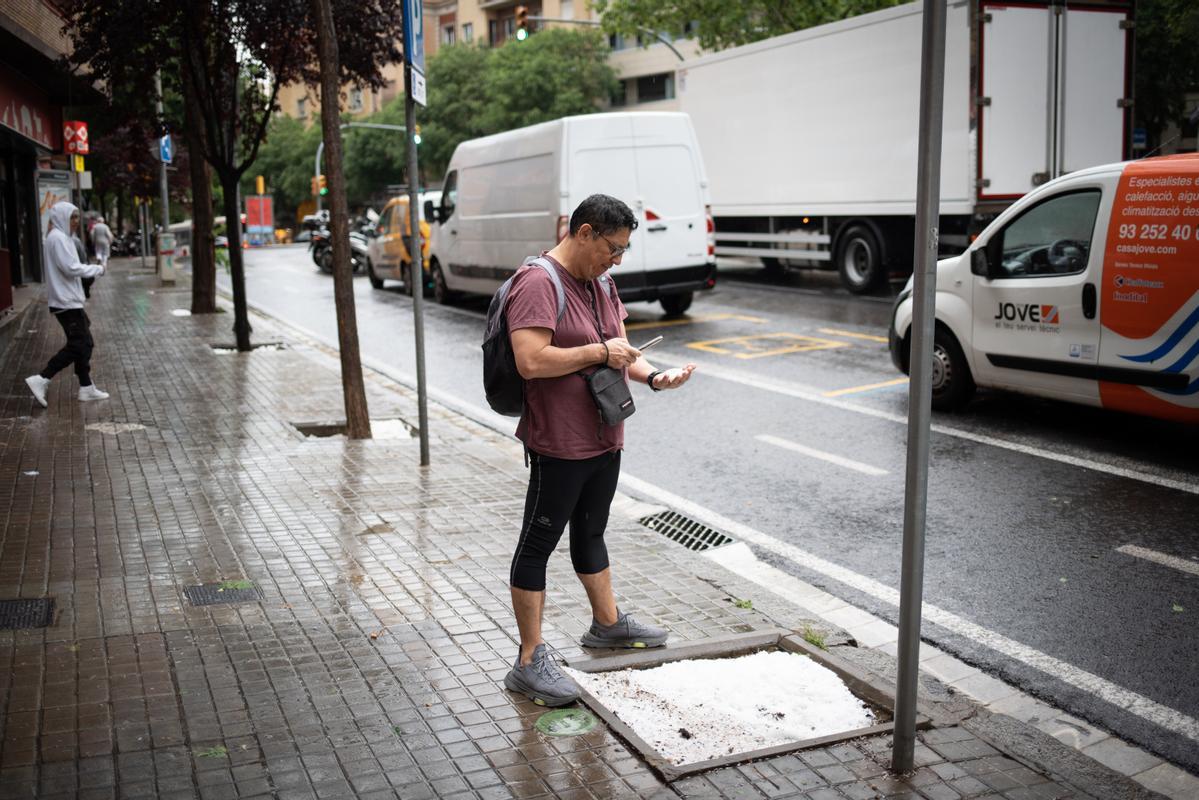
(928, 205)
(162, 164)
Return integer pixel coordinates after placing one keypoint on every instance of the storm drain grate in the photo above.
(210, 594)
(20, 614)
(687, 532)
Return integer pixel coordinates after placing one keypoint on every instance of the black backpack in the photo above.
(504, 386)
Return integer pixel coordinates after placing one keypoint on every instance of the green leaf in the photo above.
(241, 584)
(743, 603)
(214, 752)
(1178, 609)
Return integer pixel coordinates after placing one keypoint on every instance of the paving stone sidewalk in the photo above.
(367, 660)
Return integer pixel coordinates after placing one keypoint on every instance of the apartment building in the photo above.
(646, 73)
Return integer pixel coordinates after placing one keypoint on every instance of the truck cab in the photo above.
(1085, 290)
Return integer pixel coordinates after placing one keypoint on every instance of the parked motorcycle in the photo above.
(321, 249)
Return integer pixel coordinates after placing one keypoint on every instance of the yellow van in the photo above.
(388, 257)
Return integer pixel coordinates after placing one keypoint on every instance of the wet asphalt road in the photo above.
(1018, 543)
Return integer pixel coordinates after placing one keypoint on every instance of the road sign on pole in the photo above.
(166, 151)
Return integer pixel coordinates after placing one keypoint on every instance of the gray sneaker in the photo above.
(625, 632)
(541, 680)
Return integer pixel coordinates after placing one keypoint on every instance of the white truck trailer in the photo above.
(810, 138)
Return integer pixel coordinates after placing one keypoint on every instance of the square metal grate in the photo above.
(211, 594)
(687, 532)
(21, 614)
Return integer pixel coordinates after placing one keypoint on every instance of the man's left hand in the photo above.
(673, 378)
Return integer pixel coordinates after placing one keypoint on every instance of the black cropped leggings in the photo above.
(565, 491)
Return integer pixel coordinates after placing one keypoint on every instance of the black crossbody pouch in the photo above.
(608, 388)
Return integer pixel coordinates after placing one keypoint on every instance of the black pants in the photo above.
(77, 350)
(565, 491)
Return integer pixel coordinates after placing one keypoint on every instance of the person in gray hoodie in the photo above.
(64, 295)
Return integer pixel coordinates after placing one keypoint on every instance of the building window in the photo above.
(568, 9)
(302, 108)
(356, 100)
(509, 27)
(447, 34)
(620, 97)
(655, 87)
(468, 32)
(493, 31)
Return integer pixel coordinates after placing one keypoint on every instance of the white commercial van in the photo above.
(1086, 290)
(510, 196)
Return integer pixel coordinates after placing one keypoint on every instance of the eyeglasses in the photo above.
(614, 249)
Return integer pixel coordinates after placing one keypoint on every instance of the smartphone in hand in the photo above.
(650, 343)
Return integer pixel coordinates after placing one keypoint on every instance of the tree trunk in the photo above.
(358, 424)
(237, 270)
(203, 242)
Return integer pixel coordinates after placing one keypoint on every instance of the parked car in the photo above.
(387, 255)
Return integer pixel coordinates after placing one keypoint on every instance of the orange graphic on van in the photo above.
(1049, 315)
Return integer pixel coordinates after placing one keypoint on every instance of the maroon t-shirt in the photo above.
(560, 419)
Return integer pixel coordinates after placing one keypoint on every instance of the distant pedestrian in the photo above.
(575, 457)
(64, 271)
(102, 241)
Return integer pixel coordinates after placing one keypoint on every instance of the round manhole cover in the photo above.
(565, 722)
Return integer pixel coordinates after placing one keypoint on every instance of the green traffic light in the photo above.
(324, 191)
(521, 35)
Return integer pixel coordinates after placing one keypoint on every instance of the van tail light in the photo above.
(563, 227)
(650, 216)
(711, 231)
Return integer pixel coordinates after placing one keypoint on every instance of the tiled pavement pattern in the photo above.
(372, 665)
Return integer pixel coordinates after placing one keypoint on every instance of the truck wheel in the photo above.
(376, 281)
(676, 304)
(859, 259)
(774, 267)
(441, 292)
(952, 383)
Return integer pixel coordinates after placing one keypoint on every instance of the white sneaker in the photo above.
(38, 385)
(92, 393)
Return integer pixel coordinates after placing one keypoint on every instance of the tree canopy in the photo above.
(474, 91)
(1167, 62)
(720, 24)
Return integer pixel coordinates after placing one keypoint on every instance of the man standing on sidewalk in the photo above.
(575, 458)
(65, 297)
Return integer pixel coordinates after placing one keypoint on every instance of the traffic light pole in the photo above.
(417, 263)
(320, 149)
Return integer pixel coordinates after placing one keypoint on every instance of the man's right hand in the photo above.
(621, 354)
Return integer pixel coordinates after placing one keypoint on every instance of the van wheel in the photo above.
(952, 383)
(859, 259)
(441, 292)
(676, 304)
(376, 281)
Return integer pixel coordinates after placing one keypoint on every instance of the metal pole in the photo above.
(928, 203)
(596, 23)
(416, 262)
(162, 175)
(141, 225)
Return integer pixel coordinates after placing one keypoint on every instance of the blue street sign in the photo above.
(165, 150)
(414, 34)
(1140, 139)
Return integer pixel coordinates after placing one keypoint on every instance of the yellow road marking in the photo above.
(852, 335)
(760, 346)
(670, 323)
(866, 388)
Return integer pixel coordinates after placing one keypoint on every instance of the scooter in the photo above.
(321, 249)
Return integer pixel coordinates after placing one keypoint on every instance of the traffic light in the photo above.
(324, 188)
(316, 186)
(416, 135)
(522, 23)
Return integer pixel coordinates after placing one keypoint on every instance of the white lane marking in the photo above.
(1160, 558)
(812, 395)
(840, 461)
(1105, 690)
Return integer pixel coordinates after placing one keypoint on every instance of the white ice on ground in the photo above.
(115, 427)
(181, 312)
(696, 710)
(390, 429)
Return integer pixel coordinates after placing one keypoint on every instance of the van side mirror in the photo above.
(978, 262)
(430, 211)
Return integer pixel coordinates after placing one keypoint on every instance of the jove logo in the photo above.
(1028, 312)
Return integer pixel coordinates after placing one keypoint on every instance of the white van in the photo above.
(1086, 290)
(510, 196)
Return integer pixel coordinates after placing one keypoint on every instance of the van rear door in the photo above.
(670, 203)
